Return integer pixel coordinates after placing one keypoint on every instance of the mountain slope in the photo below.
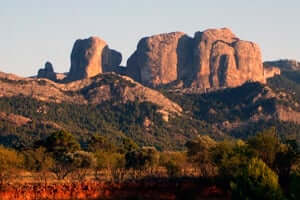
(117, 107)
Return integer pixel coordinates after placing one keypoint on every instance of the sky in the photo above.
(35, 31)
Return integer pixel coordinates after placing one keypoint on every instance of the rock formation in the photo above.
(47, 72)
(213, 58)
(91, 57)
(284, 64)
(270, 71)
(160, 59)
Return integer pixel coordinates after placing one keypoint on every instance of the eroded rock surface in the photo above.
(212, 59)
(160, 59)
(90, 56)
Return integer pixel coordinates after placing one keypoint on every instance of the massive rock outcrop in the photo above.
(212, 59)
(160, 59)
(91, 57)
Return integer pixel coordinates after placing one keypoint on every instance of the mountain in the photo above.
(118, 107)
(173, 88)
(108, 104)
(212, 59)
(283, 64)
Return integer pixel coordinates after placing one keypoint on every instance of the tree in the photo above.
(62, 166)
(199, 151)
(100, 143)
(61, 142)
(266, 144)
(128, 145)
(111, 161)
(82, 162)
(230, 157)
(143, 158)
(285, 160)
(9, 161)
(38, 160)
(256, 181)
(279, 156)
(173, 168)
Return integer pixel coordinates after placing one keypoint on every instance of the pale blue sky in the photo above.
(35, 31)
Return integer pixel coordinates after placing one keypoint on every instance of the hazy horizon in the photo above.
(34, 31)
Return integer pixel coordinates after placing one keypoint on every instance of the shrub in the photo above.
(200, 153)
(9, 161)
(37, 159)
(173, 168)
(146, 157)
(82, 162)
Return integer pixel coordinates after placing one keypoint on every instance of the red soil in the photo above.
(146, 189)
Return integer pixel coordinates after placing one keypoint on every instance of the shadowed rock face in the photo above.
(47, 72)
(213, 58)
(90, 56)
(284, 65)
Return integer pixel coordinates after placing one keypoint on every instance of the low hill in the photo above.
(118, 107)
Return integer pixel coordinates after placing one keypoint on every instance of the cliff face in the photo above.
(90, 57)
(213, 58)
(160, 59)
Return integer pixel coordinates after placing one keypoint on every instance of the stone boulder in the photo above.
(47, 72)
(90, 57)
(212, 59)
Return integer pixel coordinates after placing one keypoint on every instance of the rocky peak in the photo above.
(212, 59)
(90, 56)
(47, 72)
